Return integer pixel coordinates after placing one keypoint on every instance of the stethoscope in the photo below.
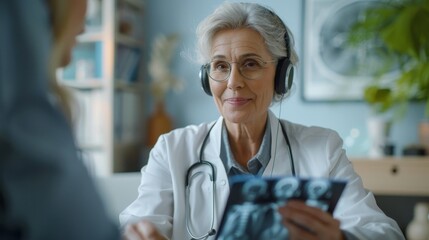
(212, 176)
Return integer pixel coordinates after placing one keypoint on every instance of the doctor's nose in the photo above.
(235, 79)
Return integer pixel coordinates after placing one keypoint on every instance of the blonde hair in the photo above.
(60, 16)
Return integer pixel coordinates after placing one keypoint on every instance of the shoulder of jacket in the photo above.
(191, 132)
(191, 129)
(297, 130)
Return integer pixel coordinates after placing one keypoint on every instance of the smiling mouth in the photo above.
(237, 101)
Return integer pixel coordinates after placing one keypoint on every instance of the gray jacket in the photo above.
(45, 190)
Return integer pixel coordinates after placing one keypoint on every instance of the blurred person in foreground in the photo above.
(45, 190)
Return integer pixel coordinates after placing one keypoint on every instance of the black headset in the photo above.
(284, 70)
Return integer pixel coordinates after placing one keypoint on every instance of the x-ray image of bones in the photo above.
(245, 221)
(287, 188)
(317, 191)
(273, 227)
(283, 190)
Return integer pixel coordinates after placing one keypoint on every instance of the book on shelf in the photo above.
(126, 117)
(130, 18)
(86, 64)
(93, 19)
(89, 126)
(127, 63)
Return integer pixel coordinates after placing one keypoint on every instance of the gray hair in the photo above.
(246, 15)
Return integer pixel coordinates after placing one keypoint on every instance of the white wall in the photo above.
(118, 191)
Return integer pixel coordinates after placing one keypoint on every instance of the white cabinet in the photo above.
(105, 81)
(405, 176)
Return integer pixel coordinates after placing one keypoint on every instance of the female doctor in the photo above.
(248, 57)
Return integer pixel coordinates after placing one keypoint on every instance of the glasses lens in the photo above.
(250, 68)
(219, 70)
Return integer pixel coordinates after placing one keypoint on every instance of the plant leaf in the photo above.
(397, 35)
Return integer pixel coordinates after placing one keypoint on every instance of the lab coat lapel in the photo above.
(211, 149)
(280, 162)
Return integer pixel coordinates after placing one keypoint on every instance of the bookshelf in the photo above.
(105, 82)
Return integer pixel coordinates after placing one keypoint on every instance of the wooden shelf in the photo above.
(91, 36)
(90, 147)
(404, 176)
(139, 4)
(128, 87)
(83, 85)
(128, 41)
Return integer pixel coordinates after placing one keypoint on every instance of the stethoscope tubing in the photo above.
(188, 181)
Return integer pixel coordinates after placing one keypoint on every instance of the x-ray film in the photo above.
(251, 211)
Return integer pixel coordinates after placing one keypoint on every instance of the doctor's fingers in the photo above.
(142, 230)
(295, 206)
(296, 232)
(304, 222)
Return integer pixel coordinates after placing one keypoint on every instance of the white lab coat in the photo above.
(317, 152)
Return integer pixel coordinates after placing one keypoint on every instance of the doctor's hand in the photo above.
(306, 222)
(143, 230)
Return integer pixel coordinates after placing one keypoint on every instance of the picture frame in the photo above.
(332, 69)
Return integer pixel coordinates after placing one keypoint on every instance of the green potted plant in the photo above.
(401, 30)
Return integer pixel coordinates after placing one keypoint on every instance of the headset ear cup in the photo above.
(284, 76)
(279, 80)
(289, 76)
(205, 80)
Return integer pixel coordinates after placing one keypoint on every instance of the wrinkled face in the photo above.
(238, 98)
(74, 27)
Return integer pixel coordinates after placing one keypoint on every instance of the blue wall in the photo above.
(192, 106)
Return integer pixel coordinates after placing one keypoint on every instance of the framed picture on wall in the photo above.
(332, 69)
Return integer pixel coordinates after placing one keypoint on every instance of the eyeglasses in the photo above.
(250, 68)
